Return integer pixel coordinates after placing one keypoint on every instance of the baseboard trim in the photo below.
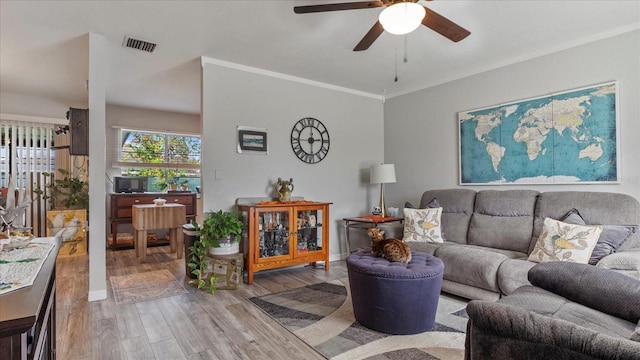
(97, 295)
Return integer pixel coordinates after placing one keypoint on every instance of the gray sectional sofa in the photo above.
(572, 311)
(489, 234)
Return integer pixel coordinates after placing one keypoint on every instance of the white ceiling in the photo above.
(43, 44)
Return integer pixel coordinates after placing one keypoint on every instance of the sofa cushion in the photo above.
(560, 241)
(500, 331)
(595, 207)
(602, 289)
(503, 219)
(624, 262)
(612, 237)
(553, 305)
(471, 265)
(512, 274)
(457, 207)
(636, 333)
(426, 247)
(422, 225)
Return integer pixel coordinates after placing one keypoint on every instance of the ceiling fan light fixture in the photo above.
(402, 18)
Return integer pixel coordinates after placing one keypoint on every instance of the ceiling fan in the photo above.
(410, 16)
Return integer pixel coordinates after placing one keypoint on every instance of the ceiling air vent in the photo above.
(138, 44)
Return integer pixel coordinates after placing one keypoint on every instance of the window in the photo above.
(26, 154)
(164, 158)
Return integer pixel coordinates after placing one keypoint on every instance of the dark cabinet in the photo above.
(121, 204)
(28, 316)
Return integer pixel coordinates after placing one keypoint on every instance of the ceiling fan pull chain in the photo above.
(405, 49)
(396, 60)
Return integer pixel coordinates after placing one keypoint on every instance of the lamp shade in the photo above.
(383, 173)
(402, 18)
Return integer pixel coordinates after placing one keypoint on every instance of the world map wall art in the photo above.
(564, 138)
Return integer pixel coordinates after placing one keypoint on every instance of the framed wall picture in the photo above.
(252, 140)
(70, 226)
(568, 137)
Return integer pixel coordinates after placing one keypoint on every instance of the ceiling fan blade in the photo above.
(335, 7)
(370, 37)
(444, 26)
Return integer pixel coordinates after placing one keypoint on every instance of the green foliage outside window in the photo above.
(158, 148)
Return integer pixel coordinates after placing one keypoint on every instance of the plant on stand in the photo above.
(217, 227)
(67, 192)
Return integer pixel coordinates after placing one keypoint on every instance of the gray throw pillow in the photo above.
(612, 237)
(430, 205)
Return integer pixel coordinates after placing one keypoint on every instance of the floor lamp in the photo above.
(383, 174)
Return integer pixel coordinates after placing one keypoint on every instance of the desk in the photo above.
(363, 222)
(30, 314)
(120, 212)
(148, 217)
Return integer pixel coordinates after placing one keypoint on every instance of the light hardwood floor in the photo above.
(196, 325)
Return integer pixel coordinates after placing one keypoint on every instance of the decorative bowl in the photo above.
(159, 202)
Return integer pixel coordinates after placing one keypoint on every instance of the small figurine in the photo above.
(284, 188)
(376, 210)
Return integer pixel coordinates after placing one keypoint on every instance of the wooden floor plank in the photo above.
(79, 337)
(186, 331)
(138, 348)
(194, 326)
(129, 323)
(155, 326)
(167, 350)
(109, 346)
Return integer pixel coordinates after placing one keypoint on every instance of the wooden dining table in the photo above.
(151, 217)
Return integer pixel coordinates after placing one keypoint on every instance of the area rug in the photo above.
(145, 286)
(322, 316)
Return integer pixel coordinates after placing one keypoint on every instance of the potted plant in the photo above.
(67, 192)
(219, 230)
(198, 263)
(184, 185)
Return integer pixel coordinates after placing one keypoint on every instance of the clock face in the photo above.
(310, 140)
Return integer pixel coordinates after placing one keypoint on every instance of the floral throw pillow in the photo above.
(560, 241)
(422, 225)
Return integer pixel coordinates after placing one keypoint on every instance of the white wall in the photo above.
(234, 97)
(23, 104)
(421, 128)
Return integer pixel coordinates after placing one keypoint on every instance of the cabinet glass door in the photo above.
(273, 233)
(309, 230)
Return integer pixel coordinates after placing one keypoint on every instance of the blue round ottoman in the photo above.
(392, 297)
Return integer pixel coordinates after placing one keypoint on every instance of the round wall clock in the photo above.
(310, 140)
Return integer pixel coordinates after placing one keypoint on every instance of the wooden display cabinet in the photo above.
(285, 234)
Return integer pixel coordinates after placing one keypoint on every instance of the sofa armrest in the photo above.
(499, 331)
(625, 262)
(595, 287)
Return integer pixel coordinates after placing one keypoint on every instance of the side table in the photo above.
(365, 222)
(148, 217)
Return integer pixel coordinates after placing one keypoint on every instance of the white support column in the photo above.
(97, 166)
